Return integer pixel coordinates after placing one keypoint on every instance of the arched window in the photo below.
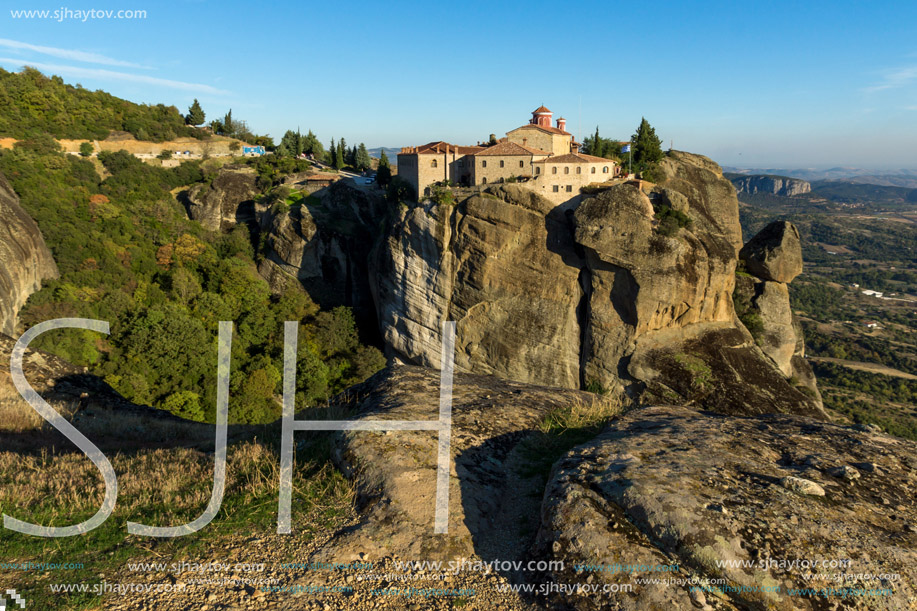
(484, 163)
(538, 169)
(433, 164)
(484, 181)
(521, 164)
(605, 170)
(579, 170)
(554, 170)
(501, 163)
(593, 171)
(567, 170)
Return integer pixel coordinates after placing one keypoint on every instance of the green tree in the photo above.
(647, 150)
(86, 149)
(195, 114)
(332, 153)
(228, 125)
(384, 173)
(339, 155)
(363, 160)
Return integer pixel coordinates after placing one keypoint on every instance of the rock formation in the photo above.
(774, 258)
(228, 199)
(24, 258)
(773, 185)
(585, 294)
(660, 486)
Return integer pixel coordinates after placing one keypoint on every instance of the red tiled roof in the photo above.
(550, 130)
(511, 148)
(439, 147)
(576, 158)
(541, 109)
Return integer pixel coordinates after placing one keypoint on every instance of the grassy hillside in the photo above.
(33, 103)
(128, 254)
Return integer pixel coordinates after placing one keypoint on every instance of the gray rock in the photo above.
(25, 259)
(775, 253)
(772, 185)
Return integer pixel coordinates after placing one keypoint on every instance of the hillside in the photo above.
(35, 103)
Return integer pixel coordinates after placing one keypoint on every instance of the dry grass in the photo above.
(17, 416)
(582, 414)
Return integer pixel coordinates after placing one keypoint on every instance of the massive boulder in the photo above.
(586, 294)
(719, 497)
(775, 253)
(24, 258)
(771, 185)
(228, 199)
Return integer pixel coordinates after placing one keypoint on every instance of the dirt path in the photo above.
(868, 367)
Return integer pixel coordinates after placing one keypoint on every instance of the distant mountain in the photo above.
(769, 184)
(390, 152)
(887, 178)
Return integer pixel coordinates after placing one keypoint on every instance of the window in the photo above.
(484, 181)
(569, 188)
(567, 170)
(593, 171)
(484, 164)
(521, 164)
(554, 170)
(579, 170)
(556, 188)
(538, 169)
(605, 170)
(501, 163)
(433, 164)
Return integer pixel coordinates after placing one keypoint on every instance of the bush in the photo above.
(86, 149)
(671, 220)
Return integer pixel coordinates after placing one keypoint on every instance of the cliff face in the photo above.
(227, 200)
(774, 185)
(24, 258)
(584, 295)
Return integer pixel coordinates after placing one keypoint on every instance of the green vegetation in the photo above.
(86, 149)
(128, 255)
(399, 191)
(670, 219)
(602, 147)
(442, 195)
(195, 114)
(384, 173)
(562, 429)
(33, 103)
(647, 151)
(700, 372)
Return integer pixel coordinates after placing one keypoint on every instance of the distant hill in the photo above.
(32, 102)
(390, 152)
(769, 184)
(886, 178)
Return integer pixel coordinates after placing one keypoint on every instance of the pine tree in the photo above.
(195, 114)
(339, 155)
(342, 151)
(596, 149)
(227, 124)
(384, 173)
(647, 150)
(364, 161)
(383, 160)
(332, 152)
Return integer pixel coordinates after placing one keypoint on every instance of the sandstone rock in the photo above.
(227, 200)
(802, 486)
(778, 337)
(772, 185)
(25, 259)
(681, 461)
(775, 253)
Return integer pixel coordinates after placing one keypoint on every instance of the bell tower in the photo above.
(541, 117)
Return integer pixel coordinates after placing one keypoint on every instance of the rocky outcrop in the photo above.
(584, 294)
(773, 185)
(24, 258)
(228, 199)
(774, 257)
(775, 253)
(659, 487)
(325, 243)
(671, 486)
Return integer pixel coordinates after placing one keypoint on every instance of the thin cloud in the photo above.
(71, 54)
(896, 78)
(110, 75)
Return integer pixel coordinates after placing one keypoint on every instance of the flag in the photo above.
(625, 148)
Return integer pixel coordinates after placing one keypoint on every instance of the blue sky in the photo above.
(772, 84)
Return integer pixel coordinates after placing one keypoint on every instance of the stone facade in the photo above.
(544, 158)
